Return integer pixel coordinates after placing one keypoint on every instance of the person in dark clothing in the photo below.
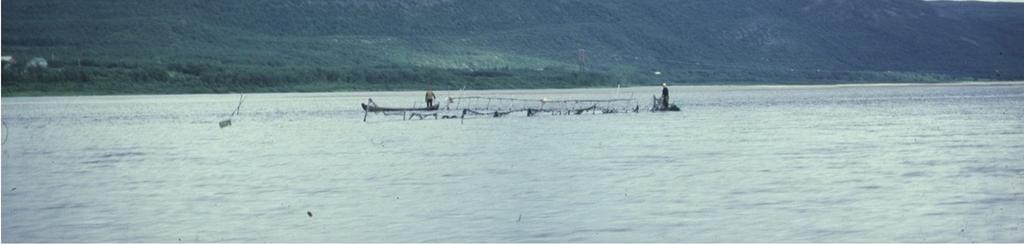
(430, 98)
(664, 96)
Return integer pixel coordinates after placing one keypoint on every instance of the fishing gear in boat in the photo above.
(227, 122)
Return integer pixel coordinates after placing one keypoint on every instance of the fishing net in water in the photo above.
(501, 106)
(483, 106)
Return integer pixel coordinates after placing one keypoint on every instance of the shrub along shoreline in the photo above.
(89, 77)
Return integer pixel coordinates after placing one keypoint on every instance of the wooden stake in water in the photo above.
(5, 131)
(227, 122)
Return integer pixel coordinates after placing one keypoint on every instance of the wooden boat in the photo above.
(375, 108)
(657, 107)
(670, 108)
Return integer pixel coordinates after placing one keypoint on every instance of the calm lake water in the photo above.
(877, 163)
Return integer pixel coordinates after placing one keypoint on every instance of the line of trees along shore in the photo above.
(92, 77)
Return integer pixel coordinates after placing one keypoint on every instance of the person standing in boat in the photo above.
(430, 98)
(664, 95)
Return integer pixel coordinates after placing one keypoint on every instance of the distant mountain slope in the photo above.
(1002, 22)
(628, 38)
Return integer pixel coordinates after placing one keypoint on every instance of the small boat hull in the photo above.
(372, 108)
(670, 108)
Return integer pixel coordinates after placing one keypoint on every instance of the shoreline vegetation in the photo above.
(86, 77)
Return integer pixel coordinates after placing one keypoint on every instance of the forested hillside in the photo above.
(153, 46)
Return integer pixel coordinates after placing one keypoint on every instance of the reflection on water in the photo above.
(834, 163)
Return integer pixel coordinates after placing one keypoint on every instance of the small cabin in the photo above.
(7, 61)
(37, 62)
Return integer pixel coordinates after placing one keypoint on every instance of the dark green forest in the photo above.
(218, 46)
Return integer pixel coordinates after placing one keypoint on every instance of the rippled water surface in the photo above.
(829, 163)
